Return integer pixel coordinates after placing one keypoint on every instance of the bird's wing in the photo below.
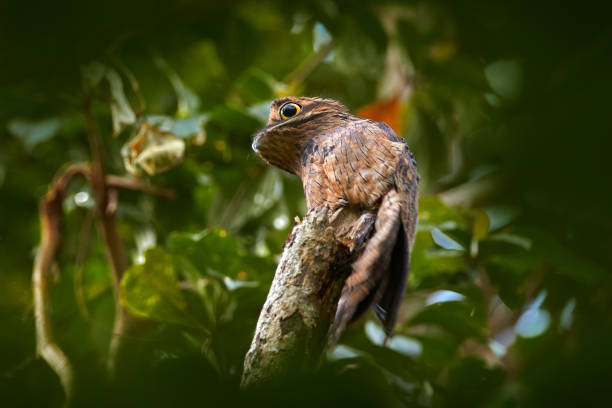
(374, 167)
(388, 300)
(371, 272)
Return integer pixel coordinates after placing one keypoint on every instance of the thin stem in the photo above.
(108, 226)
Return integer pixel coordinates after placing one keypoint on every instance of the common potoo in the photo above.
(352, 164)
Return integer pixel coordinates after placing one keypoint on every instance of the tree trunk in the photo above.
(293, 326)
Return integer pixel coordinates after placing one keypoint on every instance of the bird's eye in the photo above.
(289, 110)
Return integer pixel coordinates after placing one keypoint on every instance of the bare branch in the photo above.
(51, 221)
(138, 185)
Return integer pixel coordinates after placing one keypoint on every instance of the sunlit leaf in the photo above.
(341, 352)
(375, 333)
(405, 345)
(321, 38)
(532, 323)
(233, 284)
(260, 111)
(31, 133)
(480, 224)
(188, 128)
(445, 241)
(433, 212)
(151, 290)
(428, 260)
(121, 110)
(441, 296)
(191, 128)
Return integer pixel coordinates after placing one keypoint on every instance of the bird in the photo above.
(352, 165)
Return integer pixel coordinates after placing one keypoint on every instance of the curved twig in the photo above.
(51, 220)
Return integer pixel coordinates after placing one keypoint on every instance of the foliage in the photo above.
(504, 104)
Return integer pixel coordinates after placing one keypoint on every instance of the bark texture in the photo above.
(293, 326)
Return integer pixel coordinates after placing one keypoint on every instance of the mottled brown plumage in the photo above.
(362, 171)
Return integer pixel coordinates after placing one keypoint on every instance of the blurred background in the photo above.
(505, 105)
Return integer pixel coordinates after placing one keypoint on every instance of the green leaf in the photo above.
(321, 38)
(405, 345)
(513, 239)
(121, 110)
(469, 382)
(480, 224)
(256, 86)
(151, 290)
(445, 241)
(458, 318)
(505, 78)
(341, 352)
(238, 120)
(437, 350)
(532, 323)
(92, 74)
(188, 128)
(258, 198)
(260, 111)
(428, 260)
(211, 250)
(433, 212)
(188, 101)
(531, 248)
(31, 133)
(500, 215)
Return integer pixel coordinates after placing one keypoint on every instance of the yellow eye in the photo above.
(289, 110)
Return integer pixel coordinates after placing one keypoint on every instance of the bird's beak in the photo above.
(256, 139)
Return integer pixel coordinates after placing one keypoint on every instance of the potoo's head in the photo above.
(293, 124)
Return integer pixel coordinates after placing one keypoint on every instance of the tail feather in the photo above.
(390, 294)
(369, 275)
